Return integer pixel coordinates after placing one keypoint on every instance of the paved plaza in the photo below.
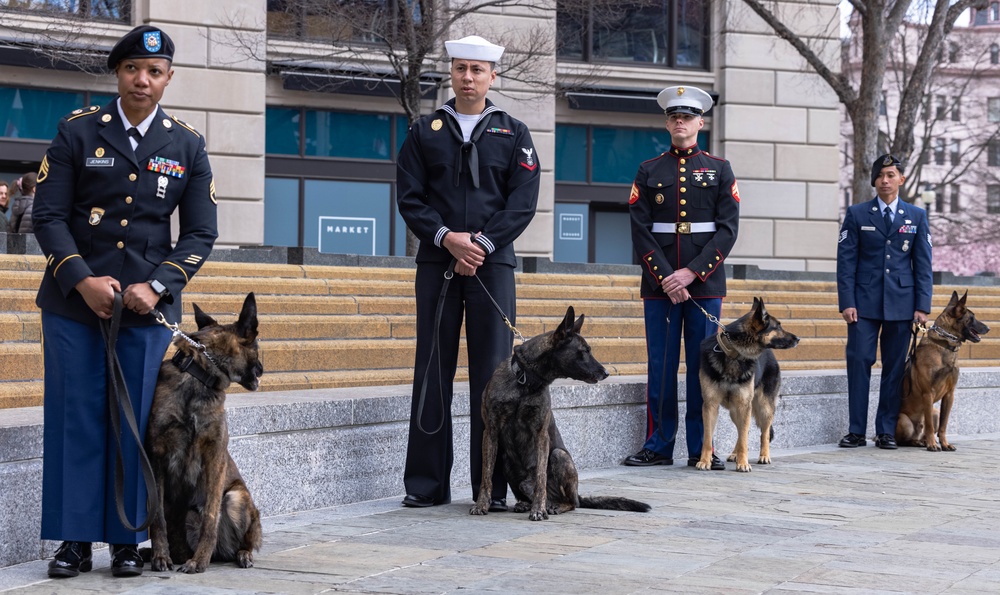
(819, 520)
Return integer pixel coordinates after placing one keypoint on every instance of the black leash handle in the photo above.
(435, 350)
(120, 405)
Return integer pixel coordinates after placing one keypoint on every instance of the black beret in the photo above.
(886, 160)
(144, 41)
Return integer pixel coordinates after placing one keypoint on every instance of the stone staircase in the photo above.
(338, 326)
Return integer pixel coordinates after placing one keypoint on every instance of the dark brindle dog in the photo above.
(932, 375)
(517, 411)
(206, 512)
(739, 372)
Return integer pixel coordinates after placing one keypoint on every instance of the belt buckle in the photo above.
(684, 227)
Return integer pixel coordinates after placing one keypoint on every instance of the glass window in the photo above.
(35, 113)
(366, 21)
(956, 152)
(953, 52)
(671, 33)
(571, 154)
(570, 241)
(939, 151)
(995, 11)
(995, 54)
(993, 109)
(956, 109)
(993, 198)
(942, 107)
(347, 217)
(617, 152)
(281, 212)
(106, 10)
(993, 153)
(336, 134)
(956, 203)
(281, 135)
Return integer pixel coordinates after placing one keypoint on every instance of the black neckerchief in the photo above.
(531, 381)
(187, 363)
(469, 146)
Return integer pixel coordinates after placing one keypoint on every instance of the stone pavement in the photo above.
(819, 520)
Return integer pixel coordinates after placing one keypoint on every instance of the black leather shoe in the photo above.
(717, 463)
(853, 441)
(418, 501)
(72, 558)
(125, 560)
(499, 505)
(886, 441)
(646, 458)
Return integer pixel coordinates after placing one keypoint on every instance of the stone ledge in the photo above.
(301, 450)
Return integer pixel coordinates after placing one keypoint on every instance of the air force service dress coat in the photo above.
(103, 209)
(885, 274)
(686, 191)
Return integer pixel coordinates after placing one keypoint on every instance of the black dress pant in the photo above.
(430, 451)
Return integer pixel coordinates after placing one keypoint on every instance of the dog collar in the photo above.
(947, 337)
(727, 346)
(522, 372)
(186, 363)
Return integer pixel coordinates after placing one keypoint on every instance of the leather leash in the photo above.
(120, 405)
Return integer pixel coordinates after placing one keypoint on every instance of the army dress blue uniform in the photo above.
(488, 184)
(886, 275)
(684, 209)
(102, 208)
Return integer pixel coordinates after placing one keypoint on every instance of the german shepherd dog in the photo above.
(517, 411)
(739, 372)
(932, 375)
(205, 510)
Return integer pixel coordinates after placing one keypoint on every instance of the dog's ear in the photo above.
(954, 300)
(763, 310)
(759, 313)
(578, 324)
(961, 300)
(566, 326)
(246, 326)
(202, 319)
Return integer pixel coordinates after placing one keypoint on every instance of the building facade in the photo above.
(303, 133)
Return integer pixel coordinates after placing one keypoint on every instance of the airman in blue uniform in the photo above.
(107, 187)
(685, 214)
(884, 284)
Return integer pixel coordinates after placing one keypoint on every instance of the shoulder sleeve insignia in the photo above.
(736, 191)
(929, 242)
(634, 196)
(843, 236)
(211, 191)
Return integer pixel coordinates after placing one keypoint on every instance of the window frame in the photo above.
(83, 10)
(588, 33)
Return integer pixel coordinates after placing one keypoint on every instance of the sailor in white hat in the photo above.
(467, 185)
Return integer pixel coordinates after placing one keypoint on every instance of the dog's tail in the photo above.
(614, 503)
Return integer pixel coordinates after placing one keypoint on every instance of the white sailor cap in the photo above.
(473, 47)
(684, 100)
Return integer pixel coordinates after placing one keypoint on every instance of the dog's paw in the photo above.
(764, 461)
(744, 467)
(731, 457)
(161, 563)
(478, 510)
(244, 559)
(538, 515)
(933, 448)
(553, 510)
(948, 447)
(522, 507)
(192, 566)
(704, 465)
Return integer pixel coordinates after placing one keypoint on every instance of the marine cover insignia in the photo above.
(99, 152)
